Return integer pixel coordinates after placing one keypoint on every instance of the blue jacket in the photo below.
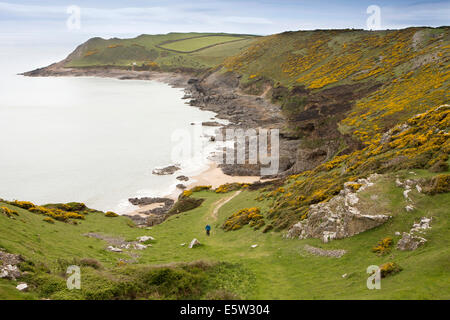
(208, 227)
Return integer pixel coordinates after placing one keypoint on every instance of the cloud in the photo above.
(107, 19)
(246, 20)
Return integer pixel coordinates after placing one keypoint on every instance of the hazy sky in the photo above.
(45, 21)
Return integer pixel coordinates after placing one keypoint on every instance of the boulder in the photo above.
(182, 178)
(166, 170)
(9, 272)
(339, 217)
(211, 124)
(194, 243)
(113, 249)
(8, 265)
(145, 238)
(22, 287)
(410, 242)
(139, 246)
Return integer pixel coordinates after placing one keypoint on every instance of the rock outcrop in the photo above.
(166, 171)
(8, 265)
(325, 253)
(22, 287)
(340, 217)
(194, 243)
(412, 240)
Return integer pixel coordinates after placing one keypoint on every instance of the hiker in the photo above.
(208, 229)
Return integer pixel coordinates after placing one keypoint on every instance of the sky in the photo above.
(51, 22)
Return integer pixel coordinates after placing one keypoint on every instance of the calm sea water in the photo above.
(92, 140)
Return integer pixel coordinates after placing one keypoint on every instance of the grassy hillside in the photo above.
(173, 50)
(277, 269)
(381, 98)
(198, 43)
(411, 65)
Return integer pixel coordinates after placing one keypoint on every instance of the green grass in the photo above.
(215, 47)
(277, 269)
(194, 44)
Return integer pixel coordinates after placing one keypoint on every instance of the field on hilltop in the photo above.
(198, 43)
(173, 50)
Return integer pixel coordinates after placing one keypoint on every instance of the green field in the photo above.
(167, 51)
(277, 269)
(195, 44)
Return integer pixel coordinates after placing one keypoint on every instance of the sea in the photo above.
(92, 140)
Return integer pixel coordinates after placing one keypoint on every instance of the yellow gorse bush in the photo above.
(8, 212)
(243, 217)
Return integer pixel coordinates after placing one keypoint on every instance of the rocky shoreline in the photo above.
(216, 92)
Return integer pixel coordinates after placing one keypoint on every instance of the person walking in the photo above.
(208, 229)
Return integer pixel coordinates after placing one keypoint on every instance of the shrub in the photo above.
(22, 204)
(70, 207)
(91, 262)
(56, 214)
(185, 204)
(437, 184)
(8, 212)
(383, 246)
(111, 214)
(47, 284)
(389, 268)
(200, 188)
(49, 220)
(243, 217)
(439, 166)
(186, 193)
(230, 187)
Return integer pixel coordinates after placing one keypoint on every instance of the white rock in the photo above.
(405, 193)
(254, 245)
(419, 188)
(344, 275)
(145, 238)
(113, 249)
(139, 246)
(409, 208)
(194, 243)
(183, 244)
(22, 287)
(398, 233)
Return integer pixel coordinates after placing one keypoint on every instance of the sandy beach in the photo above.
(213, 177)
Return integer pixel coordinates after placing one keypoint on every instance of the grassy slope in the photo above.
(145, 49)
(193, 44)
(411, 64)
(318, 60)
(281, 269)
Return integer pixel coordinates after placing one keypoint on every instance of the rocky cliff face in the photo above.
(307, 139)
